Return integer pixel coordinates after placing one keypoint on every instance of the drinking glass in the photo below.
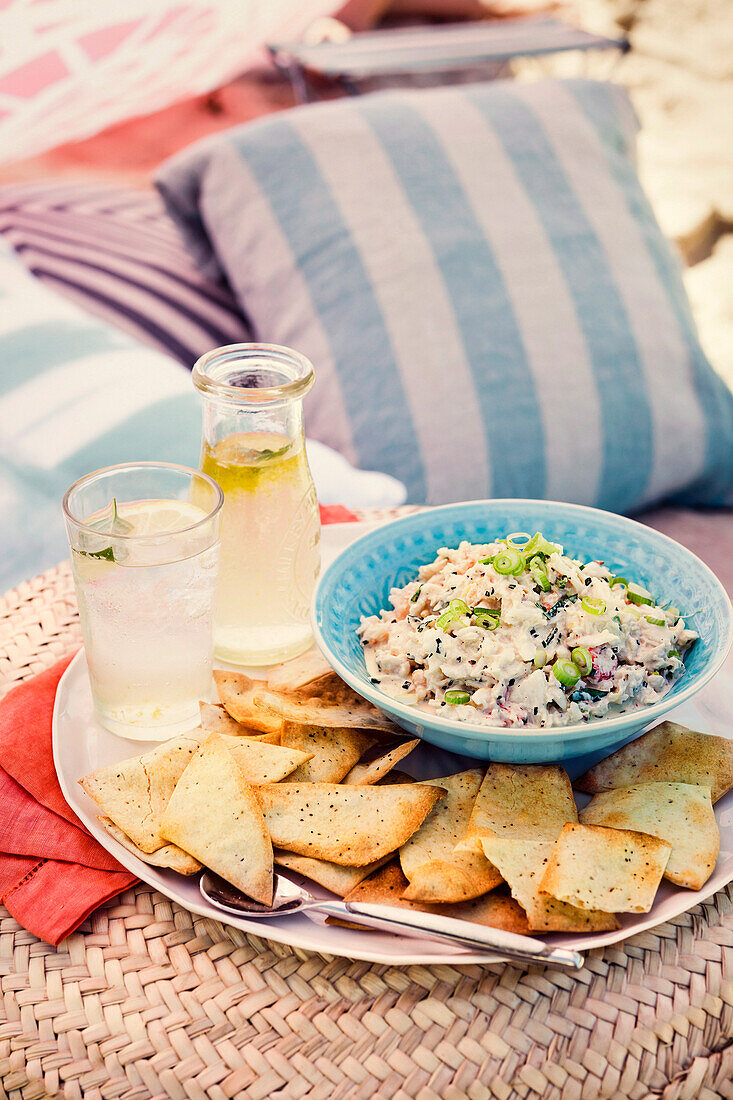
(144, 540)
(254, 447)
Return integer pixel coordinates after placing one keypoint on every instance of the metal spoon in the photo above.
(288, 898)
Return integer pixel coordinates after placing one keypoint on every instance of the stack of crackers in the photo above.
(299, 771)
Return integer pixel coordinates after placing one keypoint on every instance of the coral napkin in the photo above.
(53, 874)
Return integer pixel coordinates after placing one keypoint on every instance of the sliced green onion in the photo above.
(416, 596)
(592, 605)
(486, 561)
(511, 540)
(509, 562)
(638, 595)
(618, 580)
(540, 658)
(675, 653)
(674, 612)
(566, 672)
(538, 544)
(457, 698)
(456, 610)
(582, 658)
(655, 622)
(539, 574)
(486, 617)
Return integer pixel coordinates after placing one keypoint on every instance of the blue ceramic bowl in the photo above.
(359, 580)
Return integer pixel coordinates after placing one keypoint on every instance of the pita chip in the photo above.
(339, 880)
(214, 815)
(388, 885)
(310, 670)
(134, 793)
(680, 813)
(351, 826)
(214, 719)
(264, 763)
(378, 764)
(435, 870)
(168, 856)
(237, 693)
(594, 867)
(349, 709)
(332, 750)
(668, 753)
(528, 800)
(394, 777)
(522, 862)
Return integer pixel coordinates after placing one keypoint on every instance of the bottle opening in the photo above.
(253, 373)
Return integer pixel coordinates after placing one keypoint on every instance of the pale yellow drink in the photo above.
(270, 556)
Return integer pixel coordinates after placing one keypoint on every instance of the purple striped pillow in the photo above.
(117, 254)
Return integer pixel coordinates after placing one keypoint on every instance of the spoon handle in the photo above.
(449, 930)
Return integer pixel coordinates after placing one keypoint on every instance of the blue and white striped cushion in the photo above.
(482, 286)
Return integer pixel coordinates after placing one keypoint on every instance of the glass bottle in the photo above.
(254, 446)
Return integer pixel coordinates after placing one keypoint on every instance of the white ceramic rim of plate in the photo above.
(478, 732)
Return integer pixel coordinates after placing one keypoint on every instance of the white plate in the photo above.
(80, 745)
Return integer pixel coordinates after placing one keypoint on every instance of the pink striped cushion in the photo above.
(117, 254)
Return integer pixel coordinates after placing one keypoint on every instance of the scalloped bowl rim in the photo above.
(476, 732)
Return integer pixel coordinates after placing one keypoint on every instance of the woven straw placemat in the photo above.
(147, 1000)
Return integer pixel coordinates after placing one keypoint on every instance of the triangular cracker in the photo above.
(529, 800)
(346, 825)
(668, 753)
(134, 792)
(616, 870)
(436, 871)
(237, 692)
(680, 813)
(214, 815)
(170, 856)
(333, 750)
(522, 862)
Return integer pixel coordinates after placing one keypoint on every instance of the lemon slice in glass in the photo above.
(158, 517)
(114, 544)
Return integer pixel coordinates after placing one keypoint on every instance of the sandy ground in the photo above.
(679, 73)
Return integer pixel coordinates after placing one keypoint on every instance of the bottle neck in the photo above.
(222, 419)
(253, 390)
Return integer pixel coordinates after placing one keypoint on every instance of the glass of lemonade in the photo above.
(254, 447)
(144, 541)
